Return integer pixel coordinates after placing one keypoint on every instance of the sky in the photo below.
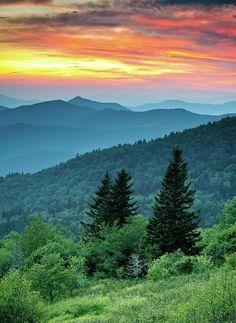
(128, 51)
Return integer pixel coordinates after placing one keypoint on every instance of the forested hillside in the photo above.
(61, 193)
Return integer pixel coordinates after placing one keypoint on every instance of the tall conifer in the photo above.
(99, 208)
(173, 225)
(122, 204)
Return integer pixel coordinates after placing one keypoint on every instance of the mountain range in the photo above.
(61, 193)
(57, 130)
(211, 109)
(10, 102)
(78, 100)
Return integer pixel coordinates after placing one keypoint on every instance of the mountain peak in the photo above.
(80, 101)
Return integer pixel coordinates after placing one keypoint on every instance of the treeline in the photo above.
(61, 194)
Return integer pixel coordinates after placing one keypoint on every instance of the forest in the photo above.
(61, 194)
(124, 267)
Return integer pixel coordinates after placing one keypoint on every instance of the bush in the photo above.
(201, 264)
(18, 302)
(10, 255)
(213, 302)
(230, 261)
(223, 243)
(228, 216)
(65, 247)
(111, 254)
(52, 279)
(37, 234)
(170, 264)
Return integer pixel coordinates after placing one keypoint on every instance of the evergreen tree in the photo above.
(122, 205)
(99, 208)
(173, 225)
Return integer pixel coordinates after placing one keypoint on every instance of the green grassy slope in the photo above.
(203, 298)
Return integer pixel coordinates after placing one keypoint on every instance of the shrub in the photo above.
(223, 243)
(170, 264)
(51, 278)
(18, 302)
(201, 264)
(10, 255)
(228, 216)
(35, 235)
(111, 253)
(230, 261)
(65, 247)
(213, 302)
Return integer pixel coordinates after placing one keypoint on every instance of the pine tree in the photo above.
(173, 225)
(122, 205)
(99, 208)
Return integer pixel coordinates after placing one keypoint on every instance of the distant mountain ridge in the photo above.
(63, 129)
(2, 108)
(62, 113)
(9, 102)
(201, 108)
(56, 112)
(83, 102)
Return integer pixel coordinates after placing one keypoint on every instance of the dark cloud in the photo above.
(117, 5)
(197, 2)
(148, 4)
(12, 2)
(113, 13)
(76, 18)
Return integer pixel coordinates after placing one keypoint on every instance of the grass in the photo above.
(209, 297)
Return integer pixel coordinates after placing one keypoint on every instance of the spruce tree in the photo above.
(122, 205)
(99, 208)
(173, 225)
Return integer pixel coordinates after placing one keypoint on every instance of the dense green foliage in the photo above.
(182, 288)
(177, 263)
(62, 193)
(168, 265)
(173, 226)
(18, 302)
(110, 255)
(51, 277)
(10, 252)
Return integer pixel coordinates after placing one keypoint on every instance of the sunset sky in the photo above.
(130, 51)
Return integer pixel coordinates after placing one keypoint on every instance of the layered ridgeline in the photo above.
(203, 108)
(37, 136)
(62, 193)
(2, 108)
(10, 102)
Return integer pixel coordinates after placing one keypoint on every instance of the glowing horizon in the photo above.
(155, 45)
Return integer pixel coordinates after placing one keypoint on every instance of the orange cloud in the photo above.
(187, 45)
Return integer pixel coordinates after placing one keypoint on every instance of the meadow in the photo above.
(194, 298)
